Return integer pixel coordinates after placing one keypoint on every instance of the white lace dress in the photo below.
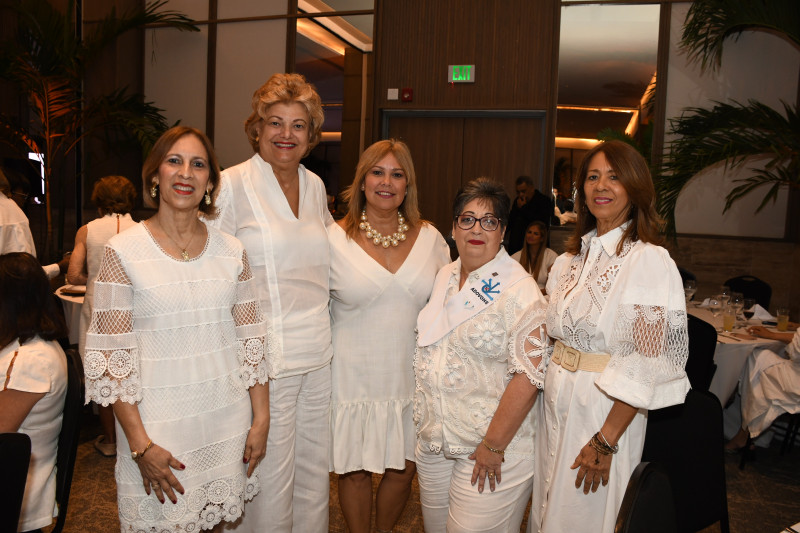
(183, 341)
(373, 317)
(629, 305)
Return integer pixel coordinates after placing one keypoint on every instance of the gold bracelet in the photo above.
(138, 455)
(501, 453)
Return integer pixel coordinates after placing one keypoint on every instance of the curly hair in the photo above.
(285, 89)
(114, 194)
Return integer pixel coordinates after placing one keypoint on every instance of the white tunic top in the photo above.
(289, 256)
(183, 340)
(629, 305)
(547, 261)
(462, 376)
(373, 316)
(97, 234)
(15, 232)
(40, 367)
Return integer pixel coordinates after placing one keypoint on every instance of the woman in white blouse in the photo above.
(535, 256)
(278, 209)
(481, 355)
(33, 373)
(618, 317)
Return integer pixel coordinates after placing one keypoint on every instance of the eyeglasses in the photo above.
(489, 222)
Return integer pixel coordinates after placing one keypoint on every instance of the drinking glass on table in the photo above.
(748, 308)
(716, 305)
(728, 318)
(689, 289)
(783, 318)
(725, 294)
(737, 303)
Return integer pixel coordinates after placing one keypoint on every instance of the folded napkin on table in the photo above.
(760, 313)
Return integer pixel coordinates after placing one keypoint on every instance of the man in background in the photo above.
(529, 205)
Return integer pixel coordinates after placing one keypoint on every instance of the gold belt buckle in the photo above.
(570, 358)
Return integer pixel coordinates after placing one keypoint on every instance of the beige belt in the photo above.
(572, 359)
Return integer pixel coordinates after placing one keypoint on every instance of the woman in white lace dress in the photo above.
(177, 346)
(372, 427)
(481, 355)
(618, 317)
(114, 198)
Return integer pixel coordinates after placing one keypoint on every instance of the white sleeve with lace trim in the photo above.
(649, 342)
(111, 364)
(528, 345)
(254, 338)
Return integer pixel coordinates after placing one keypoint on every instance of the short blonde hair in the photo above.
(357, 201)
(285, 89)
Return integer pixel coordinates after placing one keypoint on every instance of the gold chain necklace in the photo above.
(184, 253)
(384, 240)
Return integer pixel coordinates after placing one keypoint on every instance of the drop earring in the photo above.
(208, 198)
(154, 190)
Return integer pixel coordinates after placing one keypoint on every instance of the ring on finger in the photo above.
(491, 475)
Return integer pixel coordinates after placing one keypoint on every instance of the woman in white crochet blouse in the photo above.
(481, 355)
(618, 317)
(177, 345)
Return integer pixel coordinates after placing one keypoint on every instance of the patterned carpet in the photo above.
(763, 497)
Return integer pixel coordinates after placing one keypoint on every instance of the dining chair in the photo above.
(786, 426)
(647, 506)
(687, 440)
(700, 366)
(68, 438)
(752, 287)
(15, 456)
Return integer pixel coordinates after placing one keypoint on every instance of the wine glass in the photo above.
(725, 294)
(689, 289)
(737, 303)
(748, 308)
(715, 305)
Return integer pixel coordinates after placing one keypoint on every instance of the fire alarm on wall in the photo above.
(407, 95)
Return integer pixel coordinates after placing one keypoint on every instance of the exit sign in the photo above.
(461, 74)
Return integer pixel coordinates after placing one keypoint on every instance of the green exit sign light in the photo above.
(461, 74)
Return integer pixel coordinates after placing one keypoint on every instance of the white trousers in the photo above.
(294, 473)
(450, 503)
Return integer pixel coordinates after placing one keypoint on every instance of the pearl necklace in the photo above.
(380, 240)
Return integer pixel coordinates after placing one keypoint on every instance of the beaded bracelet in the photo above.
(602, 447)
(501, 453)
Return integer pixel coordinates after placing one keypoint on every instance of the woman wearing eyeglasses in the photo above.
(481, 356)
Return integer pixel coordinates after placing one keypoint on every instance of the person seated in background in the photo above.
(33, 370)
(770, 386)
(535, 256)
(15, 231)
(114, 197)
(529, 205)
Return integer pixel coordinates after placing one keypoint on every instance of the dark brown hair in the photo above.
(285, 89)
(114, 194)
(27, 306)
(634, 175)
(534, 264)
(160, 150)
(485, 190)
(354, 196)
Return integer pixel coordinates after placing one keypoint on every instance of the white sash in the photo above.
(438, 318)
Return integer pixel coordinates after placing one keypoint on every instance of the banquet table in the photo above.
(72, 304)
(730, 354)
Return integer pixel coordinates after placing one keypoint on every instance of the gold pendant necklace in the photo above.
(184, 253)
(384, 240)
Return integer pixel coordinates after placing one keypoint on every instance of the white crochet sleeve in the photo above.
(528, 344)
(111, 363)
(254, 340)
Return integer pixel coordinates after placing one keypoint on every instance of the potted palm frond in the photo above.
(47, 61)
(732, 132)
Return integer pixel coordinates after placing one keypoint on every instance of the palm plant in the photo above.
(732, 133)
(47, 61)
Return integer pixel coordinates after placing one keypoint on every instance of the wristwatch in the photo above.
(138, 455)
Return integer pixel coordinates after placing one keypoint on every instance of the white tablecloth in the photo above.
(730, 355)
(72, 313)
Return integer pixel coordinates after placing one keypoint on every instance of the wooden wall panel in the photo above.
(511, 43)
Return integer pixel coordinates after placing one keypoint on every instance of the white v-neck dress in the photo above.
(373, 317)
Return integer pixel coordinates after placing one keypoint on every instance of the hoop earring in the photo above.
(208, 198)
(154, 190)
